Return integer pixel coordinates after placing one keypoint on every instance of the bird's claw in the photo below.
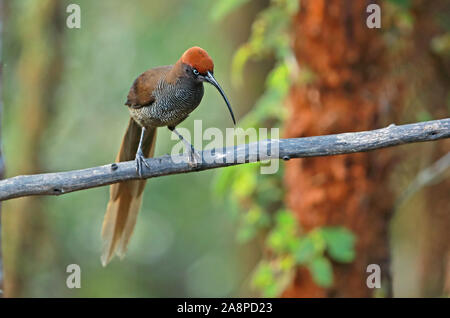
(194, 158)
(140, 161)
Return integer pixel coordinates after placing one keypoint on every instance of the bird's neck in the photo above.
(175, 73)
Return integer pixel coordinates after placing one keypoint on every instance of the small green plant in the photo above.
(289, 247)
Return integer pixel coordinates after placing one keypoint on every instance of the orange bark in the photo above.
(347, 94)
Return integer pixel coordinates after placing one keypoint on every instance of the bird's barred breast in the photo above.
(173, 103)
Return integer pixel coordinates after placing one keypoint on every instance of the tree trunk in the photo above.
(434, 262)
(348, 92)
(39, 65)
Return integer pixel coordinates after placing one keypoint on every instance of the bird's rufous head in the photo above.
(199, 66)
(198, 59)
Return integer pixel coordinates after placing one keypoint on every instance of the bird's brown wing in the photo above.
(126, 197)
(141, 91)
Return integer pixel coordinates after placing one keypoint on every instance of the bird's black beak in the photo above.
(210, 79)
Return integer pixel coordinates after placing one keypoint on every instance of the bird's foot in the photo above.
(140, 162)
(194, 157)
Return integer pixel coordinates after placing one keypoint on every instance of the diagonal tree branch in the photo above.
(65, 182)
(429, 175)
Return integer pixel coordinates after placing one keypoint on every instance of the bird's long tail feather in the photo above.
(125, 197)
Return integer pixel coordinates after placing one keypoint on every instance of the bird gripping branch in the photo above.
(161, 96)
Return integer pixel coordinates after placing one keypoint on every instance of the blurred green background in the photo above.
(64, 91)
(184, 242)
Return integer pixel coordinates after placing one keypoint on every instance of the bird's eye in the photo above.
(195, 72)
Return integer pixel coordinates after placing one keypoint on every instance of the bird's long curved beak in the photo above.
(210, 79)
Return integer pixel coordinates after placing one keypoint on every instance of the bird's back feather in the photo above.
(140, 92)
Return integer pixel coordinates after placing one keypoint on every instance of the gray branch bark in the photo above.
(329, 145)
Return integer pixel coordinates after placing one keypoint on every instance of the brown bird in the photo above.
(161, 96)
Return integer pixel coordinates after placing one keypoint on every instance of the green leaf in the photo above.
(254, 215)
(284, 234)
(285, 220)
(318, 240)
(242, 55)
(340, 243)
(278, 78)
(321, 271)
(278, 241)
(224, 7)
(305, 250)
(287, 263)
(263, 276)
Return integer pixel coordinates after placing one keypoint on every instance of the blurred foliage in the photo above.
(404, 4)
(183, 243)
(289, 247)
(441, 45)
(418, 36)
(259, 197)
(222, 8)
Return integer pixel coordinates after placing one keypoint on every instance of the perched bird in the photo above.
(161, 96)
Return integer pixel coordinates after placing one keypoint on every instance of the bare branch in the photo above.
(426, 177)
(65, 182)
